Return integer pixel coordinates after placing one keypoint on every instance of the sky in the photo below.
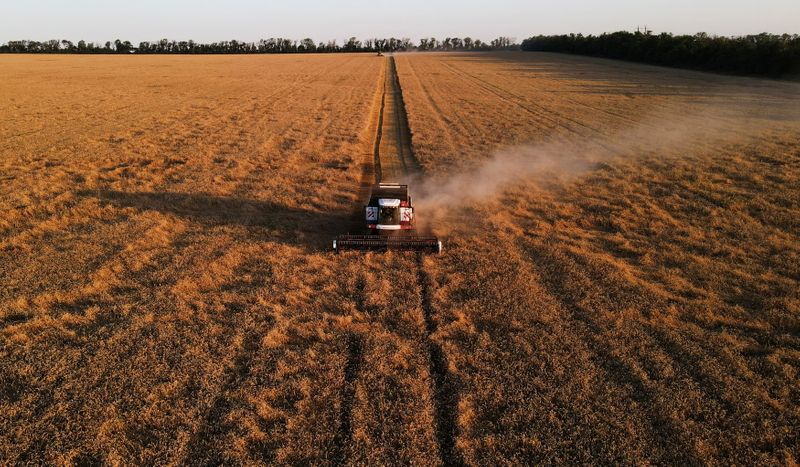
(249, 20)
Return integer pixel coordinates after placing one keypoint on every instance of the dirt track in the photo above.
(395, 158)
(394, 162)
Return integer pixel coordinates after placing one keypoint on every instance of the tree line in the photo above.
(763, 54)
(272, 45)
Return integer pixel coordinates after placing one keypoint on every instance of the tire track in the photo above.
(444, 385)
(445, 92)
(376, 152)
(610, 113)
(403, 133)
(247, 328)
(370, 167)
(395, 158)
(445, 395)
(344, 435)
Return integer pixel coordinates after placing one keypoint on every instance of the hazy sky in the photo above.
(207, 21)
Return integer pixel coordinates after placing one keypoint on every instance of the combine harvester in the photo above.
(390, 220)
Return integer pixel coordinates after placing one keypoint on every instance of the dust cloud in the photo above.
(672, 134)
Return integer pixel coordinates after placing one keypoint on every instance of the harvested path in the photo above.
(394, 161)
(394, 158)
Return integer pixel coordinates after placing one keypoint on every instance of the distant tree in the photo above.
(501, 43)
(352, 45)
(761, 54)
(308, 45)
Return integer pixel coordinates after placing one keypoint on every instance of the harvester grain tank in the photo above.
(390, 224)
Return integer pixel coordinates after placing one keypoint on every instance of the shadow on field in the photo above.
(263, 220)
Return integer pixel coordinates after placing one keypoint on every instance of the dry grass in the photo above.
(162, 255)
(639, 307)
(167, 298)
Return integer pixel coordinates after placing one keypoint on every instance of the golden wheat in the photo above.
(619, 282)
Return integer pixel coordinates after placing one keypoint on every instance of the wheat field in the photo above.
(634, 297)
(619, 282)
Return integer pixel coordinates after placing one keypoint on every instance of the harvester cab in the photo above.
(390, 224)
(389, 209)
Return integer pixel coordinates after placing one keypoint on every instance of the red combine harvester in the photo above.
(390, 219)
